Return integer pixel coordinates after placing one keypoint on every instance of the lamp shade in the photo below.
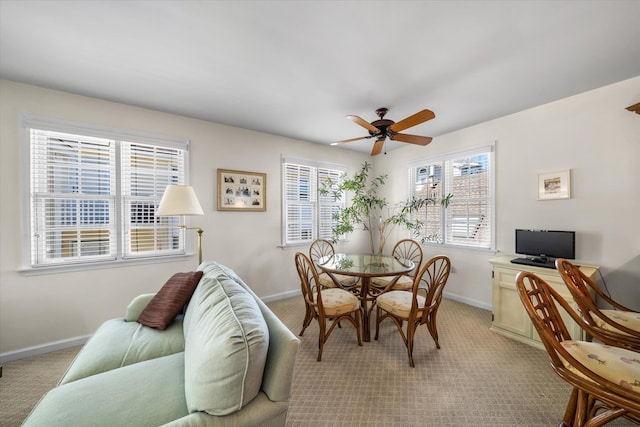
(179, 200)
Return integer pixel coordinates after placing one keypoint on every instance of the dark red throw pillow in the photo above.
(168, 302)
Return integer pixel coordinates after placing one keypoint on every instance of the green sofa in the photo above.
(228, 361)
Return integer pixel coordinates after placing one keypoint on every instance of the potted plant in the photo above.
(369, 212)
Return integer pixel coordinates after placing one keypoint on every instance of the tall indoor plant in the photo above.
(369, 212)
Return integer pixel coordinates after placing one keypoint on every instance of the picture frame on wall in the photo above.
(554, 185)
(242, 191)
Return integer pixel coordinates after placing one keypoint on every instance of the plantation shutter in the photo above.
(427, 181)
(146, 171)
(308, 215)
(72, 198)
(469, 214)
(327, 205)
(300, 189)
(468, 176)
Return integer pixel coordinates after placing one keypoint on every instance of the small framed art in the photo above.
(242, 191)
(554, 185)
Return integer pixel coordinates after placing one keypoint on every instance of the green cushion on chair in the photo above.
(226, 344)
(118, 343)
(133, 396)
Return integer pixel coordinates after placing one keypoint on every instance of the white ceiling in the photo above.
(296, 68)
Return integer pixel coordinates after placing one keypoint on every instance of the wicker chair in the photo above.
(620, 326)
(321, 248)
(326, 305)
(605, 379)
(404, 249)
(413, 308)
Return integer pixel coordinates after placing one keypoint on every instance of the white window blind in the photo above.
(73, 198)
(307, 214)
(468, 176)
(93, 194)
(146, 171)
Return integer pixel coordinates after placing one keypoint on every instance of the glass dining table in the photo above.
(365, 267)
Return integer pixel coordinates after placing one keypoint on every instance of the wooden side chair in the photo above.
(404, 249)
(605, 379)
(328, 306)
(618, 326)
(321, 248)
(413, 308)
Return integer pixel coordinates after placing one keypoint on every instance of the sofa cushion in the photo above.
(149, 393)
(170, 300)
(118, 343)
(226, 344)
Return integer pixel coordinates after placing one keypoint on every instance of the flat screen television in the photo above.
(544, 246)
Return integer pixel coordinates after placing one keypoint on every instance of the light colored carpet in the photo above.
(477, 378)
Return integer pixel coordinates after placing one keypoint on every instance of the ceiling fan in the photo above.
(382, 129)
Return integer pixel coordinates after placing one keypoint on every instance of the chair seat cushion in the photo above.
(404, 283)
(326, 280)
(338, 301)
(399, 303)
(628, 319)
(618, 365)
(118, 343)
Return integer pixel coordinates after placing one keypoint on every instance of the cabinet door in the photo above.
(508, 312)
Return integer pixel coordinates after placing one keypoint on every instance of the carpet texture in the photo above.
(477, 378)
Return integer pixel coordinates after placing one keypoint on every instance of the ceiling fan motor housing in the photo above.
(382, 125)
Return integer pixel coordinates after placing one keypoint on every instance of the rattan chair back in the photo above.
(324, 311)
(414, 308)
(594, 401)
(605, 328)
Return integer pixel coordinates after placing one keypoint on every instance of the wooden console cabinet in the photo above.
(509, 316)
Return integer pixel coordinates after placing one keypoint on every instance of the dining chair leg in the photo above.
(308, 318)
(359, 327)
(322, 336)
(411, 330)
(431, 326)
(570, 411)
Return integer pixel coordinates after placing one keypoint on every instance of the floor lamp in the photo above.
(181, 200)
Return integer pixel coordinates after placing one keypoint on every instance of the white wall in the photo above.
(593, 135)
(44, 309)
(590, 133)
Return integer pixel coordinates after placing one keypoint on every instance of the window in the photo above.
(307, 214)
(468, 176)
(93, 194)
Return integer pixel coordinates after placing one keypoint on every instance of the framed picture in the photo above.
(554, 185)
(242, 191)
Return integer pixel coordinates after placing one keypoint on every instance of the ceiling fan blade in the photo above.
(416, 119)
(411, 139)
(377, 147)
(365, 124)
(344, 141)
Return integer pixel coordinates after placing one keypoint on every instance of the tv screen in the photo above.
(546, 243)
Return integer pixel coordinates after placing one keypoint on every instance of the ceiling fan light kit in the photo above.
(383, 128)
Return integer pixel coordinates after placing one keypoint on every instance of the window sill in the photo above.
(67, 268)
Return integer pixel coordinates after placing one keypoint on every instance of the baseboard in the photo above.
(42, 349)
(283, 295)
(468, 301)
